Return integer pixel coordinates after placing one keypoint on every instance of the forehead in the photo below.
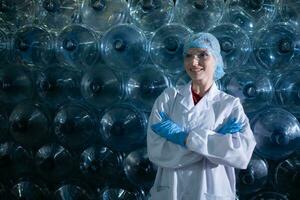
(197, 50)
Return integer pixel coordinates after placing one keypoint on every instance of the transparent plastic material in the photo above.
(33, 47)
(275, 45)
(146, 84)
(277, 133)
(5, 44)
(57, 85)
(53, 162)
(6, 161)
(120, 194)
(269, 195)
(23, 161)
(15, 84)
(254, 88)
(103, 14)
(235, 45)
(149, 15)
(75, 125)
(101, 164)
(199, 15)
(124, 47)
(77, 47)
(3, 123)
(56, 14)
(166, 47)
(102, 87)
(254, 177)
(29, 189)
(289, 11)
(123, 127)
(29, 123)
(287, 88)
(17, 12)
(251, 15)
(139, 170)
(286, 176)
(72, 191)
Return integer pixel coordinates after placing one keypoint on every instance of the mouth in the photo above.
(196, 69)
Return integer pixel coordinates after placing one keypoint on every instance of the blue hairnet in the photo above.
(211, 43)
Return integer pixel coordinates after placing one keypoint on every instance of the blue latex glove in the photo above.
(170, 130)
(232, 126)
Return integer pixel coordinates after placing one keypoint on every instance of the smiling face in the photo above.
(199, 64)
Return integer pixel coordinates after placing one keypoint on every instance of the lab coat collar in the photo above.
(187, 99)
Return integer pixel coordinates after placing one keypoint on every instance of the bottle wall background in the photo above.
(78, 79)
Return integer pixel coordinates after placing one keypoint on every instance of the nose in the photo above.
(196, 60)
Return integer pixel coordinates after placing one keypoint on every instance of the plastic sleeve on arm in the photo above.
(161, 152)
(231, 149)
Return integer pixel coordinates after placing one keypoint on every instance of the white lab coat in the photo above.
(204, 170)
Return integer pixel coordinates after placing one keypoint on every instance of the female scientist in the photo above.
(198, 134)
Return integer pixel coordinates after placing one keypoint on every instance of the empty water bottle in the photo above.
(5, 44)
(120, 194)
(235, 45)
(55, 14)
(275, 45)
(3, 122)
(6, 161)
(277, 133)
(18, 12)
(57, 85)
(123, 127)
(33, 47)
(286, 176)
(25, 188)
(254, 177)
(68, 191)
(139, 170)
(269, 195)
(251, 86)
(287, 89)
(149, 15)
(102, 86)
(15, 84)
(77, 47)
(199, 15)
(54, 162)
(124, 47)
(166, 47)
(103, 14)
(252, 14)
(146, 84)
(289, 11)
(22, 161)
(75, 125)
(99, 163)
(29, 123)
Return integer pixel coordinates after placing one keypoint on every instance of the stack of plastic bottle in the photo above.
(78, 79)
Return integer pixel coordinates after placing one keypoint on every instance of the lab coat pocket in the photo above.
(219, 197)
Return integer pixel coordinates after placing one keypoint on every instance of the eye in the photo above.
(203, 55)
(188, 55)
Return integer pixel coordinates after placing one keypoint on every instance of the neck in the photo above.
(201, 87)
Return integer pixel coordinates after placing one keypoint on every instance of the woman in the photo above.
(198, 134)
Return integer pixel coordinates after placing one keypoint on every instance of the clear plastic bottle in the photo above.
(75, 125)
(117, 193)
(235, 45)
(30, 123)
(253, 87)
(150, 15)
(53, 162)
(123, 127)
(269, 195)
(72, 190)
(55, 14)
(277, 133)
(139, 170)
(15, 84)
(251, 15)
(77, 47)
(103, 14)
(102, 86)
(146, 84)
(166, 47)
(199, 15)
(124, 47)
(253, 178)
(275, 46)
(57, 85)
